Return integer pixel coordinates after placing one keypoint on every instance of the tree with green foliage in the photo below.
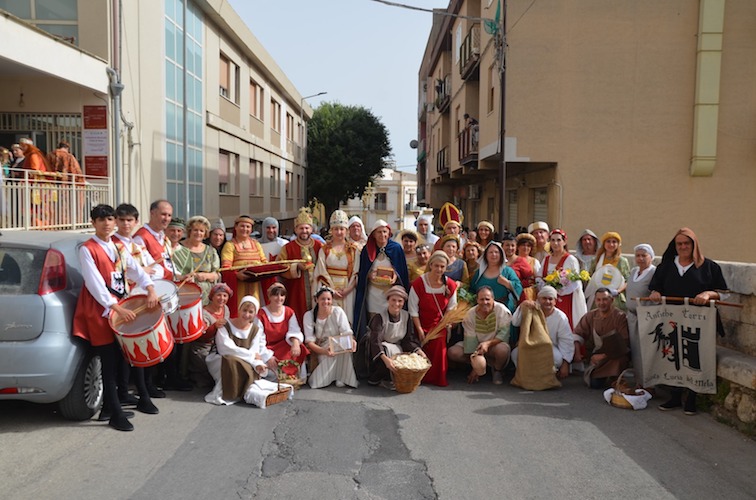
(346, 148)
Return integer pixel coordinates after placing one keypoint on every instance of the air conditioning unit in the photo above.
(474, 191)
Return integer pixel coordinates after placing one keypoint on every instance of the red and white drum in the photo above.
(147, 340)
(166, 290)
(187, 323)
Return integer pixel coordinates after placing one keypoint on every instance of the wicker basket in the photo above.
(281, 395)
(406, 380)
(625, 384)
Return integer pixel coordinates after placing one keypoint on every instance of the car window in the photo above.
(20, 270)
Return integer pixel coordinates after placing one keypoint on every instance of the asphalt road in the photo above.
(479, 441)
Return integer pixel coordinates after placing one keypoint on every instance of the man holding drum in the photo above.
(127, 217)
(103, 270)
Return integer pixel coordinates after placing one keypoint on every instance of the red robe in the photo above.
(429, 317)
(275, 336)
(157, 250)
(299, 288)
(88, 322)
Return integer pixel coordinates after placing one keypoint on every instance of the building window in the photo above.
(491, 88)
(184, 111)
(225, 77)
(255, 178)
(380, 201)
(457, 121)
(300, 187)
(224, 172)
(275, 115)
(289, 187)
(275, 182)
(229, 79)
(541, 204)
(255, 100)
(228, 173)
(512, 209)
(289, 127)
(60, 18)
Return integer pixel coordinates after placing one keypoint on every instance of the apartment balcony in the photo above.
(442, 162)
(469, 55)
(443, 94)
(468, 146)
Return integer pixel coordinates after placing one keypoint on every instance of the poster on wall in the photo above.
(678, 346)
(95, 141)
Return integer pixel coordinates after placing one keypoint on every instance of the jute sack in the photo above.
(535, 359)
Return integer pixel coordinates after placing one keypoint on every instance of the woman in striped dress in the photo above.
(240, 251)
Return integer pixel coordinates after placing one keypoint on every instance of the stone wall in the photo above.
(736, 356)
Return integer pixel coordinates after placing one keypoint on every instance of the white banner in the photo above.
(678, 346)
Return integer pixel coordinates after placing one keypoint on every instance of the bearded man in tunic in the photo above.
(299, 278)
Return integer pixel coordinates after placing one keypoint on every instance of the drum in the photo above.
(147, 340)
(186, 322)
(166, 290)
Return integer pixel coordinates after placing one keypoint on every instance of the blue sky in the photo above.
(360, 52)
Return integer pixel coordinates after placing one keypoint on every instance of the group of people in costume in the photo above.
(331, 313)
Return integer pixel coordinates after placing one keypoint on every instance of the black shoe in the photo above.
(673, 403)
(155, 393)
(128, 400)
(147, 407)
(177, 385)
(690, 404)
(106, 415)
(121, 422)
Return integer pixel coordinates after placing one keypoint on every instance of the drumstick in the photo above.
(194, 271)
(159, 261)
(680, 300)
(137, 310)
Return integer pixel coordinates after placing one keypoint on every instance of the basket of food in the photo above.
(410, 370)
(288, 373)
(384, 277)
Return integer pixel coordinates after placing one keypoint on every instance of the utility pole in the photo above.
(502, 41)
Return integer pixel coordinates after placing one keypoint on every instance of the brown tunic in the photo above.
(237, 375)
(594, 328)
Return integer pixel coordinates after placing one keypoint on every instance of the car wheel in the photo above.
(85, 397)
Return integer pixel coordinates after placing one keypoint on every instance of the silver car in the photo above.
(40, 360)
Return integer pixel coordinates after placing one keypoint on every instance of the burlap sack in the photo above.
(535, 359)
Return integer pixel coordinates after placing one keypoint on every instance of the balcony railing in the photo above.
(36, 200)
(443, 93)
(468, 144)
(442, 161)
(469, 53)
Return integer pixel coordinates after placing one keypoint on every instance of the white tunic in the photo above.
(330, 368)
(227, 347)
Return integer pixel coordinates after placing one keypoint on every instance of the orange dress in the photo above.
(241, 253)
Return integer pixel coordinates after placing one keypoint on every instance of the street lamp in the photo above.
(303, 138)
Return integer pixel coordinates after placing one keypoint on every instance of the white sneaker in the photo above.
(340, 384)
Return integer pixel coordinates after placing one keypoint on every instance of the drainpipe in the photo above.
(116, 88)
(708, 77)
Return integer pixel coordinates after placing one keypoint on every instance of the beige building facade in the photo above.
(634, 117)
(207, 118)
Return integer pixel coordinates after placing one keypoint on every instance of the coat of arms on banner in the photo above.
(678, 346)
